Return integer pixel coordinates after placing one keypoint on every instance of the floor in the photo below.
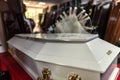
(7, 63)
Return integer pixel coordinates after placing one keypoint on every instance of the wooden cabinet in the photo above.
(113, 28)
(3, 8)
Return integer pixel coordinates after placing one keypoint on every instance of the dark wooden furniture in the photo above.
(113, 28)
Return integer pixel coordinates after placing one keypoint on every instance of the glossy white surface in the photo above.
(28, 47)
(87, 58)
(68, 55)
(86, 54)
(99, 48)
(60, 72)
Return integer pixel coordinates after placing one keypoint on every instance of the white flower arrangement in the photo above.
(72, 23)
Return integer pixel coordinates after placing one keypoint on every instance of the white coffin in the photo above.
(85, 54)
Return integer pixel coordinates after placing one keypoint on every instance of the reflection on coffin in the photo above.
(85, 54)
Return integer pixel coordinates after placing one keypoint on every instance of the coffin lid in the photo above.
(89, 53)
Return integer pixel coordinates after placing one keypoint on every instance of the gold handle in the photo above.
(109, 52)
(73, 76)
(46, 74)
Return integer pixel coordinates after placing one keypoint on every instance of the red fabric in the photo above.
(119, 74)
(108, 72)
(16, 71)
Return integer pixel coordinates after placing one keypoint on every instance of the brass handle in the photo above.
(73, 76)
(109, 52)
(46, 74)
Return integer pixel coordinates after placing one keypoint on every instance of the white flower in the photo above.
(72, 23)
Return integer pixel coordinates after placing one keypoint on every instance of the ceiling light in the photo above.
(26, 3)
(42, 3)
(38, 5)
